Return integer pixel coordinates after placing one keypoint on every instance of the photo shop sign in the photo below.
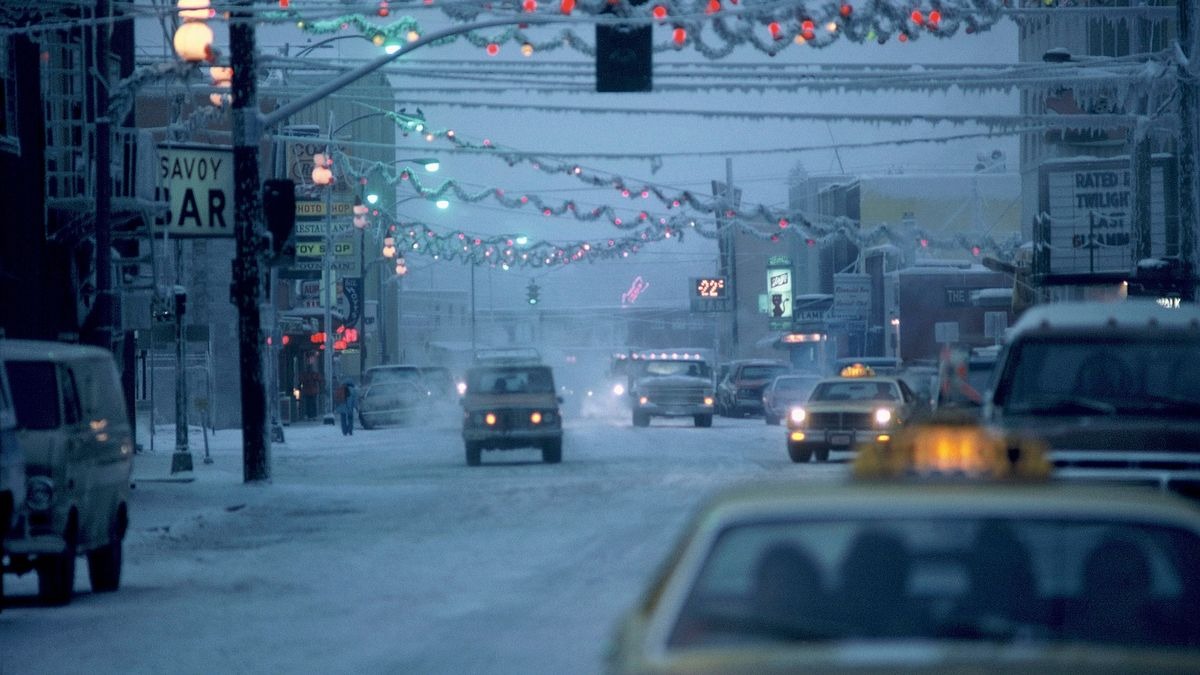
(1087, 215)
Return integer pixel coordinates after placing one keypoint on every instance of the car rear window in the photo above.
(953, 578)
(35, 394)
(762, 372)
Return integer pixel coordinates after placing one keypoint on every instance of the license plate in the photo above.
(839, 439)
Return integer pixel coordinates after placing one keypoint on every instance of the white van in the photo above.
(12, 469)
(73, 428)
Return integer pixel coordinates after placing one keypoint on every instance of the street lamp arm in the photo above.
(282, 113)
(324, 42)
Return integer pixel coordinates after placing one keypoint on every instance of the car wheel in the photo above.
(474, 453)
(364, 423)
(640, 419)
(56, 573)
(770, 419)
(799, 454)
(552, 451)
(703, 421)
(104, 563)
(822, 454)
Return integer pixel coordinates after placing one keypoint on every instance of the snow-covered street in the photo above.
(384, 552)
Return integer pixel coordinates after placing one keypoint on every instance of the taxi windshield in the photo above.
(855, 390)
(946, 578)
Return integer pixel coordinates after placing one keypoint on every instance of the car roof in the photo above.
(38, 350)
(875, 378)
(1091, 316)
(874, 499)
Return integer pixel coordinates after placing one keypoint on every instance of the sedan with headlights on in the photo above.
(844, 412)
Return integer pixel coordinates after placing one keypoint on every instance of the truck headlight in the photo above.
(797, 415)
(39, 493)
(883, 416)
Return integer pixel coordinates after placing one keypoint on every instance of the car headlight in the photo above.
(618, 389)
(883, 416)
(461, 387)
(797, 415)
(39, 493)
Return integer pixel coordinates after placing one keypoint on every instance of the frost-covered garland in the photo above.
(769, 27)
(674, 201)
(507, 250)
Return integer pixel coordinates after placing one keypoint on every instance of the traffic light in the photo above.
(624, 55)
(279, 212)
(532, 293)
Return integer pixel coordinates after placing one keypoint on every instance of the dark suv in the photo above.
(740, 392)
(1111, 387)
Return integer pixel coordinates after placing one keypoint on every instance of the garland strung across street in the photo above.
(649, 227)
(769, 27)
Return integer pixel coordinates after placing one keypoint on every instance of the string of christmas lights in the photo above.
(769, 27)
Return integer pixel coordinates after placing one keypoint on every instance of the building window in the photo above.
(9, 139)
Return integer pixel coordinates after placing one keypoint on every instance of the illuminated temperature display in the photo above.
(710, 287)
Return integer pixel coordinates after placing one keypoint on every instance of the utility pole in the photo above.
(1187, 147)
(181, 460)
(247, 280)
(327, 288)
(104, 307)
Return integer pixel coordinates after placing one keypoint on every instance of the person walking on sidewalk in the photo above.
(346, 398)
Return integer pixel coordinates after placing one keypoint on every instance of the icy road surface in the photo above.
(384, 552)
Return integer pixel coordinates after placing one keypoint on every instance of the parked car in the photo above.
(74, 429)
(511, 402)
(740, 393)
(937, 564)
(784, 393)
(394, 394)
(12, 470)
(1112, 388)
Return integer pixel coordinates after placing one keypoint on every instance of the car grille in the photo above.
(839, 420)
(676, 396)
(508, 420)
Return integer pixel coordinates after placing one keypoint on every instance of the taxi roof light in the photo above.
(857, 370)
(953, 451)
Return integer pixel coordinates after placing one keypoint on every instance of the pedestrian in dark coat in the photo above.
(347, 403)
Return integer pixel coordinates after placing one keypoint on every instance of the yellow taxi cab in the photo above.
(846, 411)
(949, 551)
